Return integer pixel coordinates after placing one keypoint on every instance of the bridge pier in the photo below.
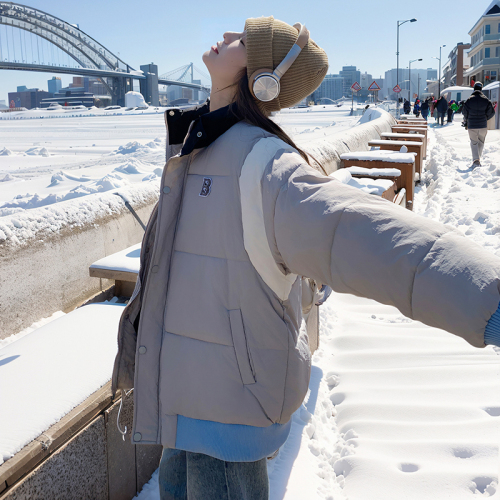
(149, 86)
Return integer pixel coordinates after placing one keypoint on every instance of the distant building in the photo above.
(350, 75)
(332, 87)
(54, 84)
(83, 91)
(28, 98)
(484, 52)
(419, 79)
(458, 63)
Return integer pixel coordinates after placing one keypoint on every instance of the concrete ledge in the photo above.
(108, 467)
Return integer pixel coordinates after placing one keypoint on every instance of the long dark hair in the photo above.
(247, 109)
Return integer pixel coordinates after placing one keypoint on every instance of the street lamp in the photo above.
(409, 76)
(397, 54)
(439, 59)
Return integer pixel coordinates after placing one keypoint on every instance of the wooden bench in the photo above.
(412, 129)
(123, 267)
(397, 136)
(405, 162)
(416, 147)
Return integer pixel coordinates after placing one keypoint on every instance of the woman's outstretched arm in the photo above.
(364, 245)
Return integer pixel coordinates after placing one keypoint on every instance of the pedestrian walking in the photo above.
(442, 108)
(434, 110)
(416, 108)
(210, 339)
(477, 110)
(425, 109)
(449, 112)
(406, 107)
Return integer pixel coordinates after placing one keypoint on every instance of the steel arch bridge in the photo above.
(93, 58)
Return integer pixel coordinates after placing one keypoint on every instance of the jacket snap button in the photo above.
(142, 350)
(137, 436)
(199, 134)
(171, 113)
(166, 190)
(154, 269)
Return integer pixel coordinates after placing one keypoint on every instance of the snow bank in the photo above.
(50, 216)
(133, 99)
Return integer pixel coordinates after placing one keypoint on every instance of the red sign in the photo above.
(374, 86)
(355, 87)
(397, 89)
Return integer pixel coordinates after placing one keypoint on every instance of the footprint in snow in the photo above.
(484, 485)
(409, 467)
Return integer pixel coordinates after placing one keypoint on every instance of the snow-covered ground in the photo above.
(396, 410)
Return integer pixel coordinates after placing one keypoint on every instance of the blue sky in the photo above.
(174, 33)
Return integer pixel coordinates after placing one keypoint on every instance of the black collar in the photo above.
(198, 128)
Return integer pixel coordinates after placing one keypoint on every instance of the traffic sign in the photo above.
(355, 87)
(374, 86)
(397, 89)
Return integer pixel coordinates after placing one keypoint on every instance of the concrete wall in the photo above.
(52, 274)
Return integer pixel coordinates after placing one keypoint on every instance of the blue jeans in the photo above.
(193, 476)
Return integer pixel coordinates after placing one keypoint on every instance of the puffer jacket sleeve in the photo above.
(364, 245)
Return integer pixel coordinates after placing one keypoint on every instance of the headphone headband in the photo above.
(264, 83)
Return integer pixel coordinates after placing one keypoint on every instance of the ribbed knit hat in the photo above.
(268, 42)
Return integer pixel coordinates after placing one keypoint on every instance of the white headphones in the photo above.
(265, 83)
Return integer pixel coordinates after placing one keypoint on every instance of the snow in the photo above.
(62, 362)
(134, 99)
(370, 186)
(375, 172)
(380, 155)
(127, 260)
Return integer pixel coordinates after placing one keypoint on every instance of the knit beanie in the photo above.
(268, 42)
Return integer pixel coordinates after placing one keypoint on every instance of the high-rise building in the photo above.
(54, 84)
(332, 87)
(350, 75)
(458, 62)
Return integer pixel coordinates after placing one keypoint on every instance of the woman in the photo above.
(211, 339)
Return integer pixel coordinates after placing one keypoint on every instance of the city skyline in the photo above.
(366, 40)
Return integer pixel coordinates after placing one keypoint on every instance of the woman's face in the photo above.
(228, 58)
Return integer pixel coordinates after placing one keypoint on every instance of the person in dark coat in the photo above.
(425, 109)
(407, 107)
(477, 110)
(442, 108)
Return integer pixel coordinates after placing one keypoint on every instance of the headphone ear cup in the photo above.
(263, 85)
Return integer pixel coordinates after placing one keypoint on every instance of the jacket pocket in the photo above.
(241, 347)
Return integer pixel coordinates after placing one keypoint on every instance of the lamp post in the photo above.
(439, 80)
(409, 76)
(397, 55)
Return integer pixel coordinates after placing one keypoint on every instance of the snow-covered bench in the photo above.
(379, 181)
(55, 402)
(416, 147)
(123, 267)
(405, 162)
(398, 136)
(413, 129)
